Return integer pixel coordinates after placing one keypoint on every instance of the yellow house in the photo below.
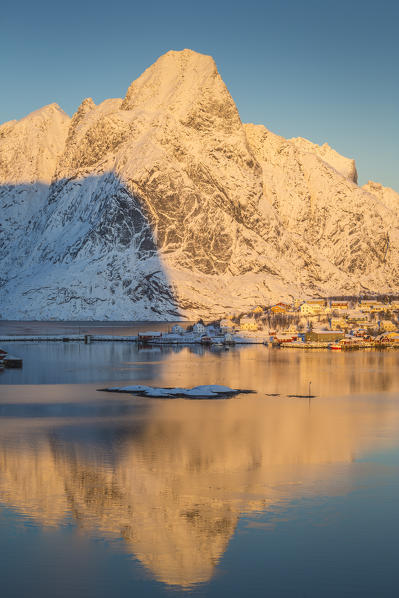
(257, 310)
(357, 317)
(311, 309)
(280, 308)
(387, 326)
(339, 323)
(371, 305)
(321, 302)
(248, 324)
(339, 305)
(392, 336)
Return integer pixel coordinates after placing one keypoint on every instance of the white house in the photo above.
(199, 328)
(176, 329)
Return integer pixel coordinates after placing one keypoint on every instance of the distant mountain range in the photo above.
(164, 204)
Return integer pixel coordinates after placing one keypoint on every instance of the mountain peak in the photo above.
(86, 106)
(48, 111)
(188, 54)
(172, 79)
(31, 146)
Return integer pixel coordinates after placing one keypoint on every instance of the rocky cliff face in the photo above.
(351, 232)
(165, 204)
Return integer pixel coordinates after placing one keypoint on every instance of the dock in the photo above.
(158, 341)
(343, 347)
(189, 339)
(83, 338)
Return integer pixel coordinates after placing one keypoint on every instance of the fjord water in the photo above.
(261, 495)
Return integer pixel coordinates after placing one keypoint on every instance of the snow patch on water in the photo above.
(204, 391)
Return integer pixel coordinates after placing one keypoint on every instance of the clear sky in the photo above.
(325, 70)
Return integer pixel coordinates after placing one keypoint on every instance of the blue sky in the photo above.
(328, 71)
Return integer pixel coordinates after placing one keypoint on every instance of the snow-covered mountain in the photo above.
(164, 204)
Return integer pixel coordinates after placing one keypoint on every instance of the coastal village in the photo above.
(335, 324)
(309, 324)
(312, 324)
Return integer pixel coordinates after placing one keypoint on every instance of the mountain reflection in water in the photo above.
(173, 477)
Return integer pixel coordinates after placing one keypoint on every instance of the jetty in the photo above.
(144, 338)
(83, 338)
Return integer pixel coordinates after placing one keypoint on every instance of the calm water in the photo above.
(110, 495)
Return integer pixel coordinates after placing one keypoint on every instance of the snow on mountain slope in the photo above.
(29, 151)
(336, 218)
(386, 195)
(164, 204)
(31, 147)
(345, 166)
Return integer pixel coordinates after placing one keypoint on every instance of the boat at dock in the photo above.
(335, 347)
(10, 361)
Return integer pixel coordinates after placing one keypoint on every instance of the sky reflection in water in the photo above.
(249, 495)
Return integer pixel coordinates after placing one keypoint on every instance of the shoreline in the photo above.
(240, 340)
